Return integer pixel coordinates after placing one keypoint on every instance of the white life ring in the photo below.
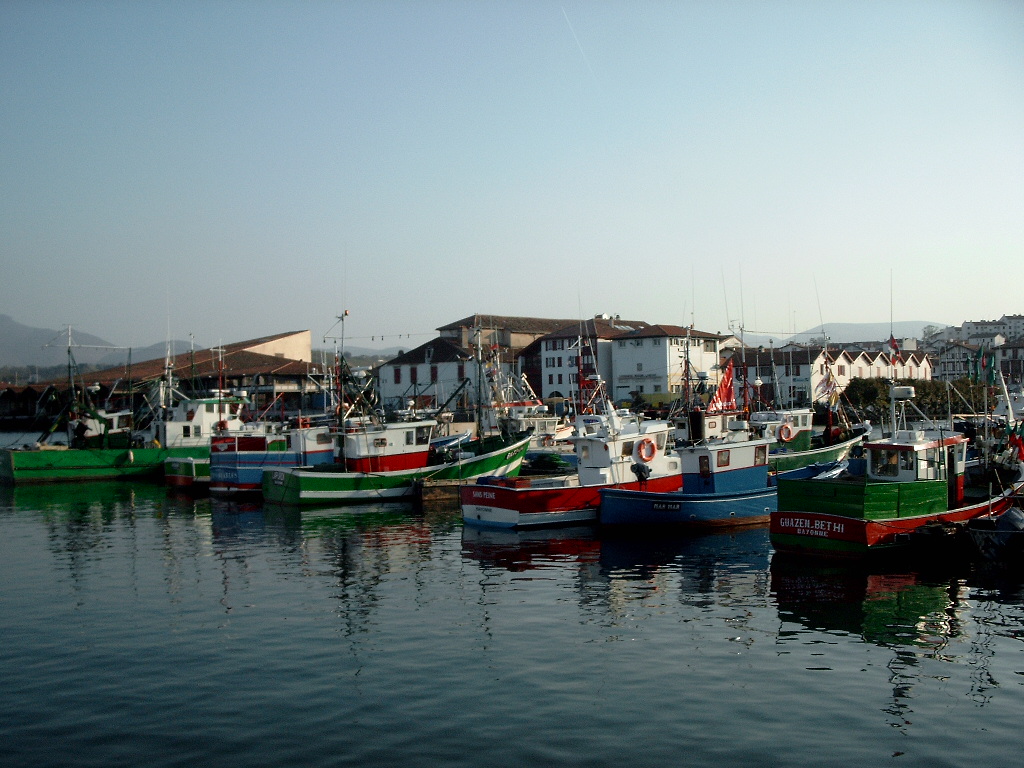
(785, 433)
(646, 449)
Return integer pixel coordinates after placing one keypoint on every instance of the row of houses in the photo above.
(657, 363)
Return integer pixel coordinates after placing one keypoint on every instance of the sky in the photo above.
(232, 170)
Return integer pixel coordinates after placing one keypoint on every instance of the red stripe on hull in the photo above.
(392, 463)
(546, 500)
(812, 527)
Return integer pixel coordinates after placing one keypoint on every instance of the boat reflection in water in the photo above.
(888, 607)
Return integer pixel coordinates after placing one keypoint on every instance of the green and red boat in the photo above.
(906, 481)
(377, 460)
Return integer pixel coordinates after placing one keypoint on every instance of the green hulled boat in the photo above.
(54, 464)
(335, 483)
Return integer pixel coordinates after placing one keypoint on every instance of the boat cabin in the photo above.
(367, 445)
(912, 455)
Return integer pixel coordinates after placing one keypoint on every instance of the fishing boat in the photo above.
(727, 482)
(238, 459)
(101, 445)
(913, 478)
(797, 444)
(381, 460)
(613, 447)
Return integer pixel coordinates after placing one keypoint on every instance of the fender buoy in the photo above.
(646, 449)
(785, 433)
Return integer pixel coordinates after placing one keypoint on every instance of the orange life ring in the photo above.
(646, 449)
(785, 433)
(549, 441)
(303, 422)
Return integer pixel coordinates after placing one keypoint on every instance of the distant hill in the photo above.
(23, 345)
(846, 333)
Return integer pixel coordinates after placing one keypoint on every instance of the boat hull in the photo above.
(783, 461)
(329, 484)
(187, 474)
(495, 505)
(241, 472)
(698, 510)
(77, 464)
(808, 532)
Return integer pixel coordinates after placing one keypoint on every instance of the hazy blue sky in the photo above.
(236, 169)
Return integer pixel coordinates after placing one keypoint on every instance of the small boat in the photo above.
(999, 538)
(613, 447)
(907, 481)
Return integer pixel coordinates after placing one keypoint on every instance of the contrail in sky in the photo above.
(582, 52)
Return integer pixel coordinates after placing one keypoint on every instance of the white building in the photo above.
(654, 361)
(580, 347)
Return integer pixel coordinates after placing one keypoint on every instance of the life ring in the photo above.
(785, 433)
(303, 422)
(190, 415)
(646, 449)
(549, 441)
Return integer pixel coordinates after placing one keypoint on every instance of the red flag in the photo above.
(896, 355)
(724, 397)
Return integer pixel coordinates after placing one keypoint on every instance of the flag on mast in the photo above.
(724, 397)
(894, 347)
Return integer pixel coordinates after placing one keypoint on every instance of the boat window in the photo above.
(660, 441)
(723, 458)
(186, 431)
(422, 435)
(197, 431)
(886, 463)
(627, 448)
(584, 450)
(209, 407)
(760, 455)
(906, 460)
(704, 464)
(410, 437)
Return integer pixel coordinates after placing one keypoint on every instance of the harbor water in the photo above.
(150, 630)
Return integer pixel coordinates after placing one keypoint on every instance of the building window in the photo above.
(559, 378)
(551, 378)
(639, 366)
(657, 387)
(656, 342)
(460, 371)
(622, 344)
(398, 374)
(412, 374)
(559, 362)
(433, 374)
(841, 370)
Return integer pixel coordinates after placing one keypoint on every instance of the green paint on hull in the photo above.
(864, 500)
(799, 457)
(76, 464)
(306, 486)
(191, 469)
